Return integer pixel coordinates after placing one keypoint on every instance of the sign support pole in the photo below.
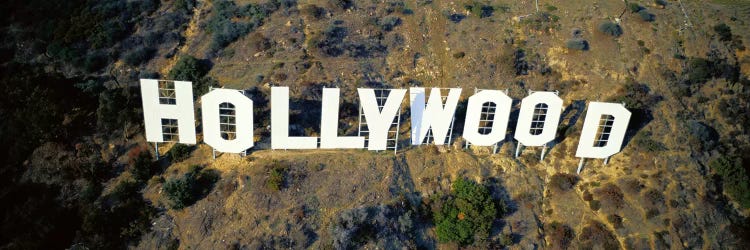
(580, 166)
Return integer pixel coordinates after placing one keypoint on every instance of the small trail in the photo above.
(190, 32)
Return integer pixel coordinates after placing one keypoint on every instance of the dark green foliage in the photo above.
(611, 29)
(179, 152)
(342, 4)
(94, 62)
(734, 177)
(389, 22)
(550, 8)
(596, 235)
(276, 176)
(189, 68)
(479, 9)
(117, 108)
(560, 235)
(563, 182)
(646, 16)
(699, 70)
(661, 3)
(703, 136)
(117, 218)
(138, 56)
(577, 44)
(184, 4)
(230, 22)
(634, 7)
(725, 33)
(142, 167)
(191, 187)
(466, 214)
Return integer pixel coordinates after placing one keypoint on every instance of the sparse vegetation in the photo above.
(276, 176)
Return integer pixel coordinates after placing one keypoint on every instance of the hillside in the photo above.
(79, 173)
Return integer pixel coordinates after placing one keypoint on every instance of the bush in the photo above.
(661, 3)
(389, 22)
(179, 152)
(577, 44)
(189, 68)
(141, 167)
(646, 16)
(189, 188)
(276, 176)
(466, 214)
(611, 197)
(734, 178)
(563, 182)
(597, 236)
(560, 235)
(725, 33)
(479, 9)
(610, 28)
(139, 56)
(229, 22)
(634, 7)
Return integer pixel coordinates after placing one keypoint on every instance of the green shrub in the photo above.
(646, 16)
(389, 22)
(734, 178)
(179, 152)
(662, 3)
(725, 33)
(138, 56)
(699, 70)
(610, 28)
(634, 7)
(189, 188)
(479, 9)
(142, 168)
(466, 214)
(276, 176)
(577, 44)
(189, 68)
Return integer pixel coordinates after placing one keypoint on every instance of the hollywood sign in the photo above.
(168, 106)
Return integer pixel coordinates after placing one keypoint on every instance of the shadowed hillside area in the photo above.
(78, 173)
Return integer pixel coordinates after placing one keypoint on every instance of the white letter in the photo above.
(379, 121)
(242, 119)
(610, 140)
(435, 116)
(280, 138)
(182, 110)
(502, 103)
(550, 119)
(329, 124)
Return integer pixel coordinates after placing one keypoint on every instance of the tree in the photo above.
(466, 214)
